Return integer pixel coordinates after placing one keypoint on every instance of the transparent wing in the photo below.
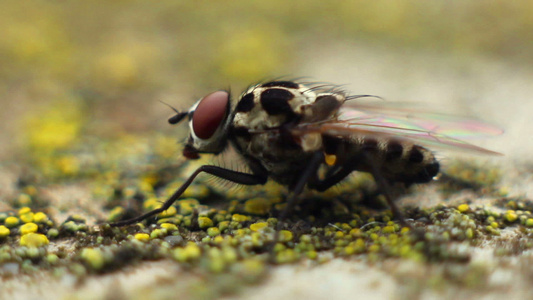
(405, 122)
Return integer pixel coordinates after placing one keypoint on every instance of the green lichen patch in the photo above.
(214, 239)
(236, 234)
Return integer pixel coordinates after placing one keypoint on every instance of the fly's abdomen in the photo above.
(397, 160)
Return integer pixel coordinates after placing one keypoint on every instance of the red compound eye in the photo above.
(209, 114)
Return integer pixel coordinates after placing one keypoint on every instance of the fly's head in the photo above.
(208, 122)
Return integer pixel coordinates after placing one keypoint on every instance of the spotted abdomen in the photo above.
(396, 160)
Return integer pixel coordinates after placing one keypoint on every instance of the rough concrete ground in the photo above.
(492, 90)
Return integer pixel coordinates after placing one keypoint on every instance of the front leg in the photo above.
(310, 172)
(258, 177)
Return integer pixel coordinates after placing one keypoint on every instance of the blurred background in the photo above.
(80, 77)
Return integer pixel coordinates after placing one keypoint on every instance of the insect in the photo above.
(288, 131)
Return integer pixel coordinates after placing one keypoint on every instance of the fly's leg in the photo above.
(259, 176)
(331, 179)
(309, 172)
(384, 186)
(339, 173)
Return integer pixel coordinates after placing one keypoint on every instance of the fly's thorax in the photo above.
(264, 117)
(272, 105)
(283, 159)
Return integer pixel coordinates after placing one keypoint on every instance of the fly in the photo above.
(291, 132)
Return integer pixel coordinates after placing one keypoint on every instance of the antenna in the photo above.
(179, 115)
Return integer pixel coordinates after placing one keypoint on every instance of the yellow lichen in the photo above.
(463, 208)
(11, 221)
(4, 231)
(285, 236)
(239, 218)
(213, 231)
(27, 217)
(28, 228)
(24, 210)
(94, 257)
(205, 222)
(258, 226)
(169, 226)
(40, 217)
(257, 206)
(511, 216)
(189, 252)
(171, 211)
(33, 240)
(143, 237)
